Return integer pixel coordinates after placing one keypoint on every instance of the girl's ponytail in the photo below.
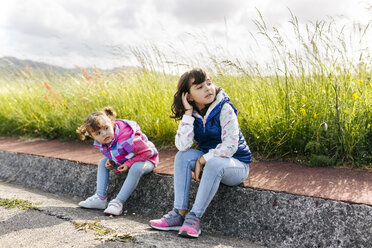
(109, 112)
(82, 131)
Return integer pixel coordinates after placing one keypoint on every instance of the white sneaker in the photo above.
(93, 202)
(115, 207)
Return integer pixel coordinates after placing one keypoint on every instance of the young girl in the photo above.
(125, 148)
(222, 153)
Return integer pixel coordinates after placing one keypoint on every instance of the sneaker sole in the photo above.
(171, 228)
(185, 234)
(93, 208)
(107, 213)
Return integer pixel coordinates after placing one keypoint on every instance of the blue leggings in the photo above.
(229, 171)
(134, 174)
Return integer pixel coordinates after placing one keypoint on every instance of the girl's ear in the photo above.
(189, 98)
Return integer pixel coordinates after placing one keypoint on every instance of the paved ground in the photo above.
(52, 226)
(343, 184)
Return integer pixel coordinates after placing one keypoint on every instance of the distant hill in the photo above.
(12, 66)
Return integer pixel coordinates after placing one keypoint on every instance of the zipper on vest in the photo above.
(204, 121)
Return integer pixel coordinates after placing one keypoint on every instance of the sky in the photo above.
(109, 33)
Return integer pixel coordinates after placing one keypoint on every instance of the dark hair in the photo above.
(196, 76)
(93, 122)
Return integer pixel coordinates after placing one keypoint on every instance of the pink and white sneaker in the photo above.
(191, 226)
(170, 222)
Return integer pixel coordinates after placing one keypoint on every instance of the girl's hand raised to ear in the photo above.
(188, 107)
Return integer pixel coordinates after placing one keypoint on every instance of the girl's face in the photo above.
(202, 94)
(106, 134)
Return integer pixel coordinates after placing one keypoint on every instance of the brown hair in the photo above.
(196, 75)
(93, 122)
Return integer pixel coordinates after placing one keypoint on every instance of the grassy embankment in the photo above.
(312, 103)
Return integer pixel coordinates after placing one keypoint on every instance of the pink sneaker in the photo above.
(191, 226)
(170, 222)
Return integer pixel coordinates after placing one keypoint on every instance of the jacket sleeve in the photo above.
(229, 135)
(185, 133)
(141, 150)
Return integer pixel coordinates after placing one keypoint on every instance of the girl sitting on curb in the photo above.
(125, 148)
(222, 154)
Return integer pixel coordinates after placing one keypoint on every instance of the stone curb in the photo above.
(265, 217)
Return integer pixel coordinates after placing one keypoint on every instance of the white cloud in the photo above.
(199, 13)
(101, 32)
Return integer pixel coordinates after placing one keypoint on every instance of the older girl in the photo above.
(222, 154)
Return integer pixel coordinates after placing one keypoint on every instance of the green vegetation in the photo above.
(18, 203)
(103, 233)
(311, 103)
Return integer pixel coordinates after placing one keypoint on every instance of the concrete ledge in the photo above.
(265, 217)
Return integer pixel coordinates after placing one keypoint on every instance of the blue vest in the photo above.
(209, 136)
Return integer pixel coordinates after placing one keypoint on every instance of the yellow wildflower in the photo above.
(315, 116)
(359, 81)
(303, 112)
(102, 92)
(355, 95)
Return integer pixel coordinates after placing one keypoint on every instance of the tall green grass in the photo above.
(312, 102)
(54, 109)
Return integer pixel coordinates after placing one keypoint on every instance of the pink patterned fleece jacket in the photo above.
(129, 145)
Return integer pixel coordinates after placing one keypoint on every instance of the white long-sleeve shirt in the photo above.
(229, 134)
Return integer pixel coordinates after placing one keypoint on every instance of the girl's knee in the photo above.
(211, 168)
(141, 168)
(181, 158)
(102, 162)
(136, 168)
(181, 155)
(217, 163)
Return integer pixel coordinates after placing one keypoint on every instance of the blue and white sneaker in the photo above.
(191, 226)
(170, 222)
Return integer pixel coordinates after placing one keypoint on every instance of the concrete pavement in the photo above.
(52, 225)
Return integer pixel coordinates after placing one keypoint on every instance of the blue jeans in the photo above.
(134, 174)
(229, 171)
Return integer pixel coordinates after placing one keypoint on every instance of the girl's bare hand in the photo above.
(199, 165)
(109, 164)
(123, 168)
(185, 102)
